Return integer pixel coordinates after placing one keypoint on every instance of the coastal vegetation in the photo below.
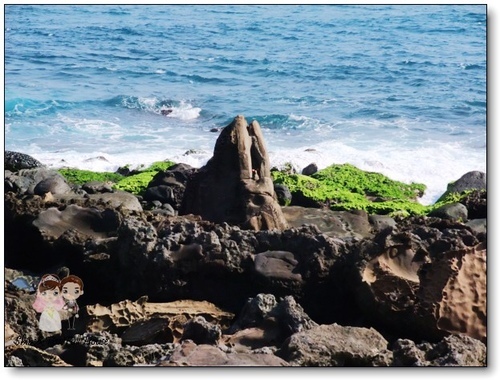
(340, 187)
(136, 182)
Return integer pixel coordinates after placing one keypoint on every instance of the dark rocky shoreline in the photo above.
(225, 276)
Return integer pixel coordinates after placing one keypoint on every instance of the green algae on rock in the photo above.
(345, 187)
(135, 184)
(81, 177)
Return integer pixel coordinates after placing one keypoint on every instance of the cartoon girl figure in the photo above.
(72, 288)
(48, 302)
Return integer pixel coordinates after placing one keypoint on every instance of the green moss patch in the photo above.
(135, 184)
(345, 187)
(81, 177)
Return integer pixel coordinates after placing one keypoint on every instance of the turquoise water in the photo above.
(395, 89)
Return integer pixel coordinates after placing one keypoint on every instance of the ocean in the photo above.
(394, 89)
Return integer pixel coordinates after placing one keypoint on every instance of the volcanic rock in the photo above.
(454, 350)
(192, 355)
(235, 186)
(310, 169)
(474, 180)
(336, 346)
(15, 161)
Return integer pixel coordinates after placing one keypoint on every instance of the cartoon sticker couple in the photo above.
(57, 298)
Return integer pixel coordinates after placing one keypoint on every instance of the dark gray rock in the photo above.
(477, 225)
(254, 312)
(336, 346)
(469, 181)
(86, 221)
(277, 265)
(454, 211)
(154, 330)
(54, 185)
(169, 186)
(336, 224)
(453, 350)
(15, 161)
(283, 194)
(291, 317)
(310, 169)
(476, 203)
(95, 187)
(264, 311)
(25, 180)
(200, 331)
(381, 222)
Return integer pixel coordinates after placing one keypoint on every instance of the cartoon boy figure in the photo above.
(48, 302)
(72, 288)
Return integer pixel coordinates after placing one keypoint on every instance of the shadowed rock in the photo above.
(235, 186)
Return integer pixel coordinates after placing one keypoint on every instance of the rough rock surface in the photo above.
(455, 211)
(337, 346)
(190, 354)
(34, 357)
(454, 350)
(15, 161)
(418, 278)
(338, 224)
(425, 280)
(455, 285)
(469, 181)
(235, 186)
(87, 221)
(169, 186)
(200, 331)
(26, 180)
(283, 194)
(145, 322)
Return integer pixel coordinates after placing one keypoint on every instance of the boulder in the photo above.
(454, 350)
(336, 346)
(169, 186)
(118, 199)
(54, 185)
(283, 194)
(95, 187)
(200, 331)
(310, 169)
(455, 211)
(235, 186)
(287, 316)
(25, 181)
(474, 180)
(15, 161)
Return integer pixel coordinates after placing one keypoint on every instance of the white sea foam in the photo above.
(435, 165)
(185, 111)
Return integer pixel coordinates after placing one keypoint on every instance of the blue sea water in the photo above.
(396, 89)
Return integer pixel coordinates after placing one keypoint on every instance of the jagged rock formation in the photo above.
(235, 186)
